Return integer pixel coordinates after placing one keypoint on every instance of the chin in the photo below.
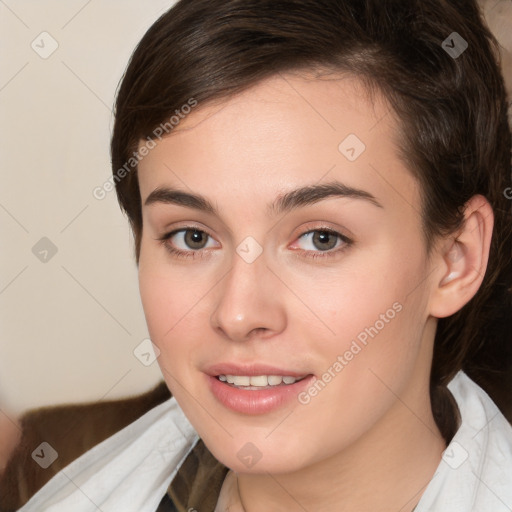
(259, 457)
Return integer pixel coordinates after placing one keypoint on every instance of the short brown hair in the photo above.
(455, 137)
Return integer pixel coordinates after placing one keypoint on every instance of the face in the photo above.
(298, 267)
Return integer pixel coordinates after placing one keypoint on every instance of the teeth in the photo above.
(259, 381)
(243, 380)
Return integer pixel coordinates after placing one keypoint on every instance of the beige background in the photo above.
(69, 326)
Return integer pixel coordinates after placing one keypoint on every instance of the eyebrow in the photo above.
(283, 203)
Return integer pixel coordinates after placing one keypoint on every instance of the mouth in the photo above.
(258, 382)
(255, 389)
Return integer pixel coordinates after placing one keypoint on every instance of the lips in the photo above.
(255, 388)
(251, 370)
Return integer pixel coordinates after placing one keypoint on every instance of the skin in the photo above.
(368, 440)
(10, 434)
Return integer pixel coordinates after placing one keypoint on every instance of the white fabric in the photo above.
(131, 470)
(475, 474)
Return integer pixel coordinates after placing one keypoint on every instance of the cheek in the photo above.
(170, 305)
(374, 313)
(169, 293)
(363, 368)
(350, 303)
(169, 311)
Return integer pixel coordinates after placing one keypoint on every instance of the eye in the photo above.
(189, 242)
(186, 242)
(323, 240)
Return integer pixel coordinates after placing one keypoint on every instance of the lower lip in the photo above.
(256, 401)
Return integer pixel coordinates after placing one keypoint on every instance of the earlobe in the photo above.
(462, 262)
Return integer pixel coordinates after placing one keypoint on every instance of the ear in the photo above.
(461, 260)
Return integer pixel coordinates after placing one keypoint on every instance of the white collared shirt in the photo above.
(131, 470)
(475, 473)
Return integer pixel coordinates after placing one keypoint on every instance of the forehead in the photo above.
(287, 130)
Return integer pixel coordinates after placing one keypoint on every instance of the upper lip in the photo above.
(253, 369)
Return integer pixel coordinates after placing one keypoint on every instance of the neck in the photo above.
(387, 469)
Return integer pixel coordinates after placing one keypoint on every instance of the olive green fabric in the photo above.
(198, 482)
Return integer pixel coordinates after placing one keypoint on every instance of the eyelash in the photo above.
(309, 254)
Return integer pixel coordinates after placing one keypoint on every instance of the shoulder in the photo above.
(130, 470)
(475, 472)
(70, 430)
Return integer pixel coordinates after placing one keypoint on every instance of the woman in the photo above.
(319, 198)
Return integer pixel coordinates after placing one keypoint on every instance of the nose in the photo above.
(249, 301)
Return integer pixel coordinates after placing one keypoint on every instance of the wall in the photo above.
(70, 314)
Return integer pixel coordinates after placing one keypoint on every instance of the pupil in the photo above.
(194, 237)
(323, 238)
